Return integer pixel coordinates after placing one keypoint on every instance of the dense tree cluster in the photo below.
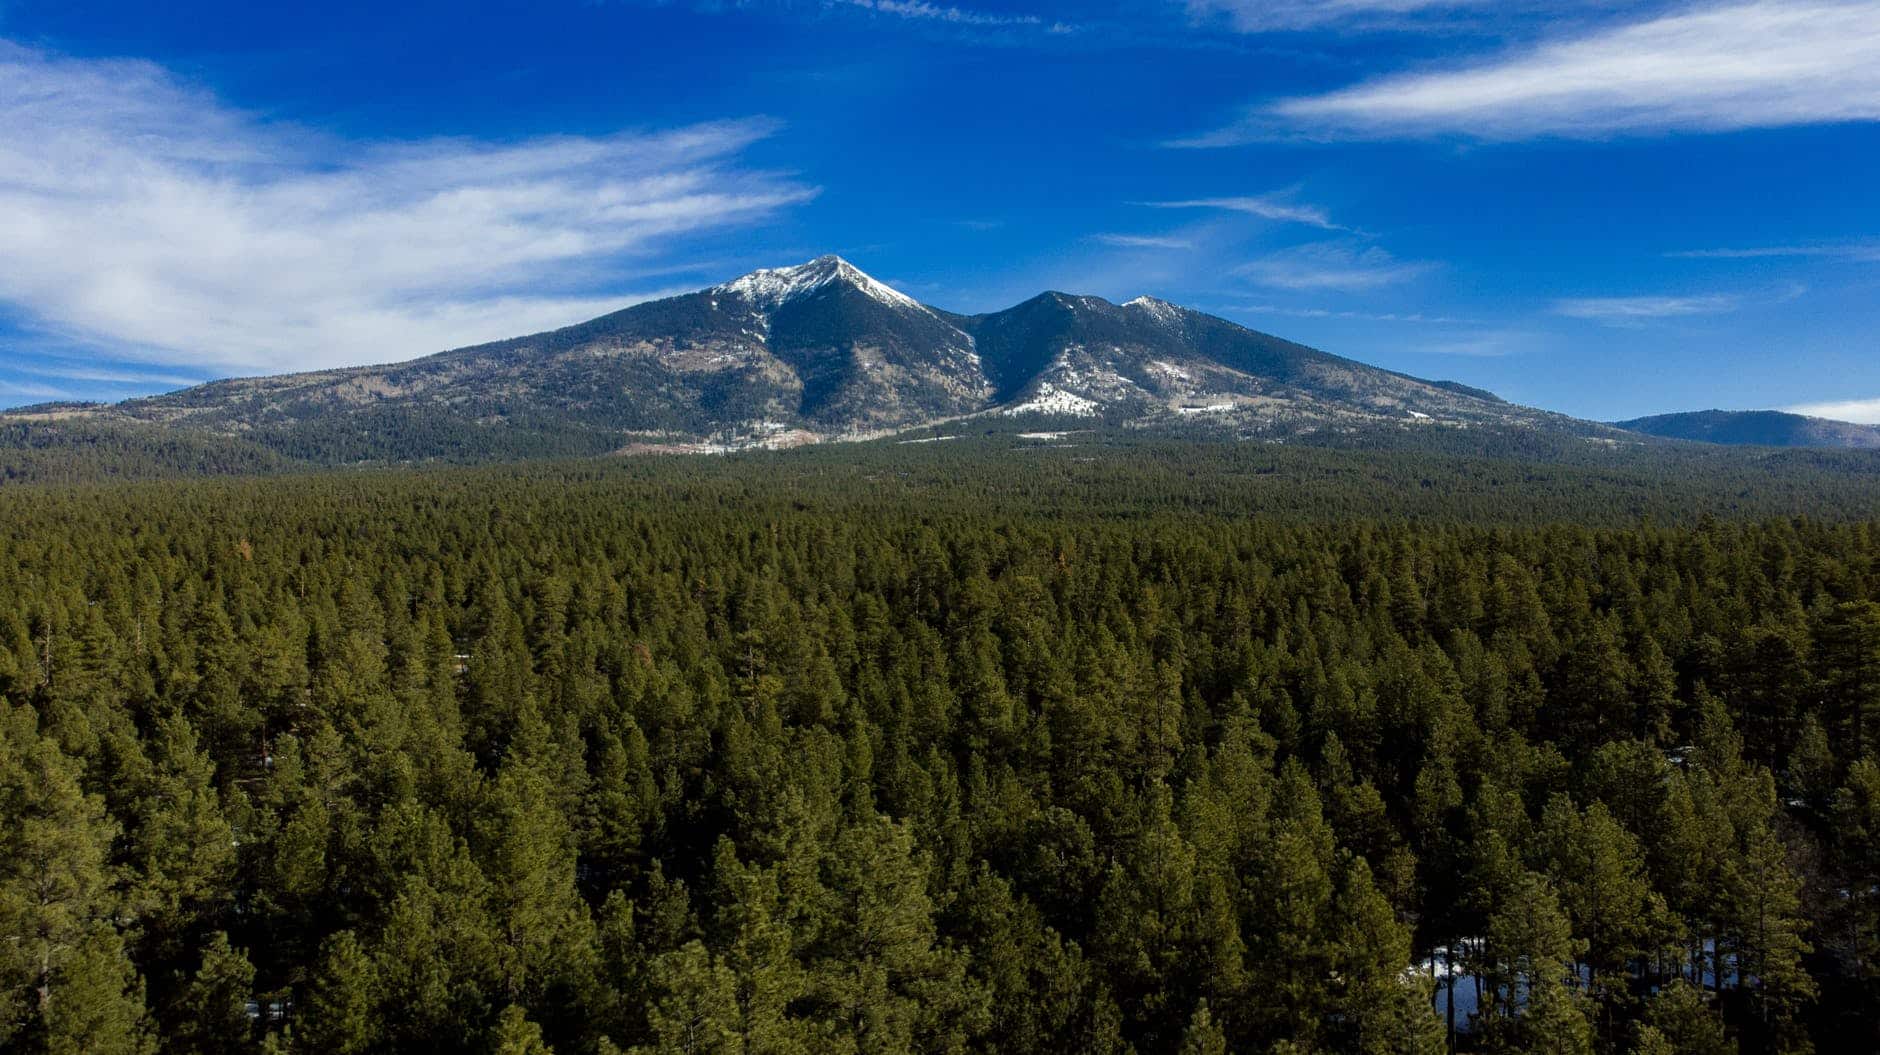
(512, 762)
(52, 446)
(1499, 475)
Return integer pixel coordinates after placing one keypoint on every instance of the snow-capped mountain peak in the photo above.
(1160, 310)
(769, 287)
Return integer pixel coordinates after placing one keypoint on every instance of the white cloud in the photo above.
(1333, 313)
(919, 9)
(1265, 206)
(1490, 345)
(1863, 411)
(1142, 241)
(1633, 310)
(1331, 266)
(1864, 252)
(143, 215)
(30, 390)
(1255, 16)
(107, 376)
(1766, 63)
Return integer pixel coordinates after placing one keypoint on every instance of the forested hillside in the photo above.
(796, 755)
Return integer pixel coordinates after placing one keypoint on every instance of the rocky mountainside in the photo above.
(1764, 428)
(805, 354)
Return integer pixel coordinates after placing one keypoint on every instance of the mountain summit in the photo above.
(815, 352)
(769, 287)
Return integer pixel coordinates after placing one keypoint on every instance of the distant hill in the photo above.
(1762, 428)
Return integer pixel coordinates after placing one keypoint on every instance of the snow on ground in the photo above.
(1211, 408)
(1166, 367)
(929, 439)
(1419, 415)
(1469, 995)
(1052, 400)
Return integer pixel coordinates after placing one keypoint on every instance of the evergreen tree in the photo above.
(516, 1035)
(1765, 901)
(1203, 1037)
(213, 1017)
(696, 1010)
(1678, 1020)
(69, 984)
(337, 1010)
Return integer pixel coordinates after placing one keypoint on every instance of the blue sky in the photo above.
(1606, 207)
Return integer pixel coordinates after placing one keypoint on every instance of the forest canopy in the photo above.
(944, 752)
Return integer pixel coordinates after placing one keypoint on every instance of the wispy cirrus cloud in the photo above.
(1142, 241)
(1337, 266)
(29, 390)
(95, 375)
(1335, 313)
(1864, 252)
(928, 12)
(1634, 310)
(142, 215)
(1493, 344)
(1274, 207)
(1711, 68)
(1863, 411)
(1258, 16)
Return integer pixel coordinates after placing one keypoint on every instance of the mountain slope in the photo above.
(1149, 359)
(804, 354)
(1764, 428)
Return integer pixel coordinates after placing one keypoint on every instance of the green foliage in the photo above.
(211, 1016)
(760, 762)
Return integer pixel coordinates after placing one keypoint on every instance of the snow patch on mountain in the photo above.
(1163, 366)
(1160, 310)
(769, 287)
(1090, 375)
(1049, 399)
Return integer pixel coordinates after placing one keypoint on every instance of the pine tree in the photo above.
(1288, 906)
(56, 941)
(1203, 1037)
(181, 845)
(1764, 899)
(882, 970)
(1680, 1022)
(546, 935)
(1596, 866)
(93, 1002)
(1857, 847)
(1849, 655)
(696, 1010)
(516, 1035)
(1556, 1021)
(337, 1010)
(212, 1016)
(762, 959)
(1384, 1008)
(1529, 948)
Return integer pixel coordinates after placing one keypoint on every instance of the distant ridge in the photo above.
(1764, 428)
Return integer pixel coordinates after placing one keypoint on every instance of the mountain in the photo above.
(805, 354)
(1763, 428)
